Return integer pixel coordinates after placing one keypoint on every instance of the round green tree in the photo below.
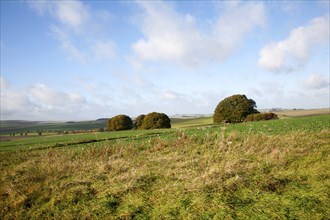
(138, 121)
(234, 109)
(120, 122)
(155, 120)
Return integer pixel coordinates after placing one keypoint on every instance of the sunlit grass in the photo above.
(224, 172)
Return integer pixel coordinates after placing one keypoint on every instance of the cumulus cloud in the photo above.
(12, 101)
(290, 54)
(74, 14)
(71, 13)
(103, 50)
(43, 96)
(39, 102)
(75, 27)
(317, 81)
(165, 32)
(231, 26)
(169, 35)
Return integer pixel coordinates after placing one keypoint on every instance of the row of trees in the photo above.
(233, 109)
(153, 120)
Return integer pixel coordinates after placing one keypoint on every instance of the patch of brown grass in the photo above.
(188, 177)
(302, 112)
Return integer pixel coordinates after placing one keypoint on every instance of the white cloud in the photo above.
(4, 85)
(12, 101)
(290, 54)
(317, 81)
(72, 13)
(39, 102)
(41, 6)
(103, 50)
(236, 20)
(76, 27)
(165, 32)
(174, 37)
(167, 94)
(44, 96)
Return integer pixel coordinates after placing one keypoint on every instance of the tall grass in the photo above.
(209, 174)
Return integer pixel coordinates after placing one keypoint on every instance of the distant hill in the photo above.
(292, 113)
(190, 115)
(102, 119)
(21, 126)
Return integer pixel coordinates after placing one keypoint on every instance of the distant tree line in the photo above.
(233, 109)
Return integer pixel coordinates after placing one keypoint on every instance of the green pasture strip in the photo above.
(308, 123)
(191, 122)
(17, 127)
(282, 126)
(272, 127)
(73, 139)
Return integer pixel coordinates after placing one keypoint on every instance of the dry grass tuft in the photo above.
(186, 177)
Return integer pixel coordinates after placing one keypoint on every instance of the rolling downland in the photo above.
(259, 170)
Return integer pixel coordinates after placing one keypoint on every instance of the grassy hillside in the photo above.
(258, 170)
(17, 127)
(191, 122)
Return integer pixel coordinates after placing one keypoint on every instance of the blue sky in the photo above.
(79, 60)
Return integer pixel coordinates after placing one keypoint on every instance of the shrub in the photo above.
(120, 122)
(155, 120)
(138, 122)
(234, 109)
(261, 117)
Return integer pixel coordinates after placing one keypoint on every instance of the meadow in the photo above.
(258, 170)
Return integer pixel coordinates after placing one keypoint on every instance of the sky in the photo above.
(83, 60)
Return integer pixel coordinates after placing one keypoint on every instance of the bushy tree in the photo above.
(39, 132)
(138, 121)
(155, 120)
(261, 117)
(120, 122)
(234, 109)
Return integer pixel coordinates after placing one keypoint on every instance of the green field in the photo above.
(191, 122)
(196, 170)
(17, 127)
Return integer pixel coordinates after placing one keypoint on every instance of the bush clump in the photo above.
(155, 120)
(138, 121)
(120, 122)
(234, 109)
(261, 117)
